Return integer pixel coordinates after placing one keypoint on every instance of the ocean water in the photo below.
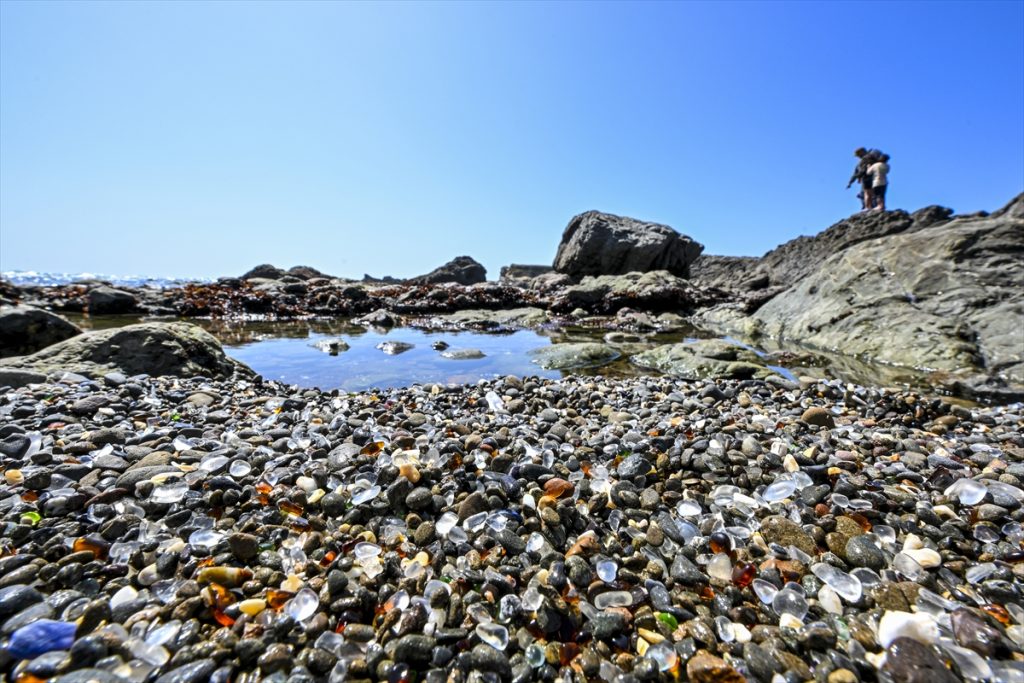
(33, 277)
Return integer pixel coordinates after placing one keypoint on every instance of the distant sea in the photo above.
(32, 277)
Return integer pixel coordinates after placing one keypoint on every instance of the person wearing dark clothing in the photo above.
(865, 158)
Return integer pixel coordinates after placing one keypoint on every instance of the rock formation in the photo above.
(597, 243)
(180, 349)
(461, 270)
(24, 330)
(109, 301)
(945, 297)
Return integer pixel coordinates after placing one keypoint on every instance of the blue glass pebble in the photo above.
(41, 637)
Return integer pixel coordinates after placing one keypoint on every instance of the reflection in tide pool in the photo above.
(297, 360)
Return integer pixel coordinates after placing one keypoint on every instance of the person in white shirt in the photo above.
(879, 172)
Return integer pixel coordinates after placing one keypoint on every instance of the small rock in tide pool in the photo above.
(41, 637)
(462, 354)
(393, 348)
(331, 346)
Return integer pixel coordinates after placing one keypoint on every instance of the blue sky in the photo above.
(195, 139)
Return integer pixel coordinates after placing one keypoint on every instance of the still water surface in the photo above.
(287, 351)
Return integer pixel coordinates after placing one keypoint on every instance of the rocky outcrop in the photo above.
(794, 260)
(109, 301)
(521, 275)
(573, 355)
(704, 358)
(656, 290)
(461, 270)
(946, 298)
(264, 271)
(25, 330)
(179, 349)
(597, 243)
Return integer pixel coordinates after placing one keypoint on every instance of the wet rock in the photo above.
(908, 661)
(25, 330)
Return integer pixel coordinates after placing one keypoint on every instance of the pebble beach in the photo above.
(174, 530)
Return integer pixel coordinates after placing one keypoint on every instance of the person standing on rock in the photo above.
(866, 157)
(878, 173)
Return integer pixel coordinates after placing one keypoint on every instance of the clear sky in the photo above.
(199, 139)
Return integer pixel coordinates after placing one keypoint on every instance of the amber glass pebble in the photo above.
(720, 542)
(743, 574)
(276, 599)
(97, 546)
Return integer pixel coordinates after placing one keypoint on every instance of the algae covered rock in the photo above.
(702, 359)
(573, 355)
(179, 349)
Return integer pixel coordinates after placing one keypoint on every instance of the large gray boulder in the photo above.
(948, 299)
(179, 349)
(109, 301)
(461, 270)
(24, 330)
(596, 243)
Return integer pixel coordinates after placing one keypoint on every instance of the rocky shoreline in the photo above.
(928, 291)
(169, 516)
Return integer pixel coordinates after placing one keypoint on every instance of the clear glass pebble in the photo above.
(847, 586)
(839, 500)
(204, 538)
(779, 490)
(789, 601)
(154, 655)
(867, 577)
(458, 535)
(171, 492)
(968, 491)
(303, 605)
(979, 572)
(720, 567)
(365, 495)
(239, 468)
(723, 626)
(829, 600)
(475, 522)
(607, 570)
(532, 599)
(214, 463)
(764, 590)
(331, 642)
(688, 508)
(535, 655)
(663, 655)
(445, 523)
(494, 635)
(364, 551)
(181, 444)
(886, 534)
(613, 599)
(163, 633)
(495, 403)
(986, 534)
(534, 542)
